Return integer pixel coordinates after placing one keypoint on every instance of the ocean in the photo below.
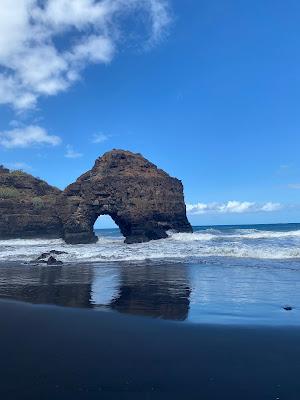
(218, 274)
(214, 243)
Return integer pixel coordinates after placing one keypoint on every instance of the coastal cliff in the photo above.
(27, 206)
(144, 201)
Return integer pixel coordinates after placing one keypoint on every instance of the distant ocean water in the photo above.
(262, 242)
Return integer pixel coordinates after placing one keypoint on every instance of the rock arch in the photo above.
(144, 201)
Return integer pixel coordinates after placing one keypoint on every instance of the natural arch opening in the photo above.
(106, 226)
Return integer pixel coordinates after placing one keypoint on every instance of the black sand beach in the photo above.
(50, 352)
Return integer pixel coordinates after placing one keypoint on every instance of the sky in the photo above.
(208, 90)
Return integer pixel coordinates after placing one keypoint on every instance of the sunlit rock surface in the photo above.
(27, 207)
(144, 201)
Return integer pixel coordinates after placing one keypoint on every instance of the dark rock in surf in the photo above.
(288, 308)
(50, 253)
(42, 257)
(46, 258)
(53, 261)
(57, 252)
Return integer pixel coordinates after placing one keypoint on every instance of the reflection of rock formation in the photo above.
(157, 291)
(55, 285)
(161, 291)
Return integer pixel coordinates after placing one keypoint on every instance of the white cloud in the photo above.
(231, 207)
(100, 138)
(160, 17)
(269, 207)
(294, 185)
(27, 137)
(71, 153)
(32, 64)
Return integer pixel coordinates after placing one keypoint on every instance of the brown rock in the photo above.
(144, 201)
(27, 207)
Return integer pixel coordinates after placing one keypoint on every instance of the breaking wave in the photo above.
(273, 242)
(237, 234)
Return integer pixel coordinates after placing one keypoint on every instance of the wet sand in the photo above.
(50, 352)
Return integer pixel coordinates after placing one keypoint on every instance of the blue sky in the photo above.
(207, 90)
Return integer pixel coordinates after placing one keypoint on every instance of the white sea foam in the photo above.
(235, 234)
(237, 243)
(256, 234)
(196, 236)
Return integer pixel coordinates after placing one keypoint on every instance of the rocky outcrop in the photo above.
(144, 201)
(48, 258)
(27, 207)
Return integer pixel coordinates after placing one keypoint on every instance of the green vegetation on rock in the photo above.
(9, 193)
(38, 203)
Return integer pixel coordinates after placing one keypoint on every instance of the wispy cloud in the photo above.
(31, 62)
(231, 207)
(294, 186)
(27, 137)
(269, 207)
(100, 138)
(71, 153)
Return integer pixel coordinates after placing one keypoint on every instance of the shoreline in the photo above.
(191, 293)
(67, 353)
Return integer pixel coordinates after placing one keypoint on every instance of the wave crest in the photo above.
(234, 243)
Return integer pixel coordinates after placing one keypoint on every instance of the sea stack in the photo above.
(144, 201)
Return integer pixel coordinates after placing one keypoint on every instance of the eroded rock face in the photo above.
(144, 201)
(27, 207)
